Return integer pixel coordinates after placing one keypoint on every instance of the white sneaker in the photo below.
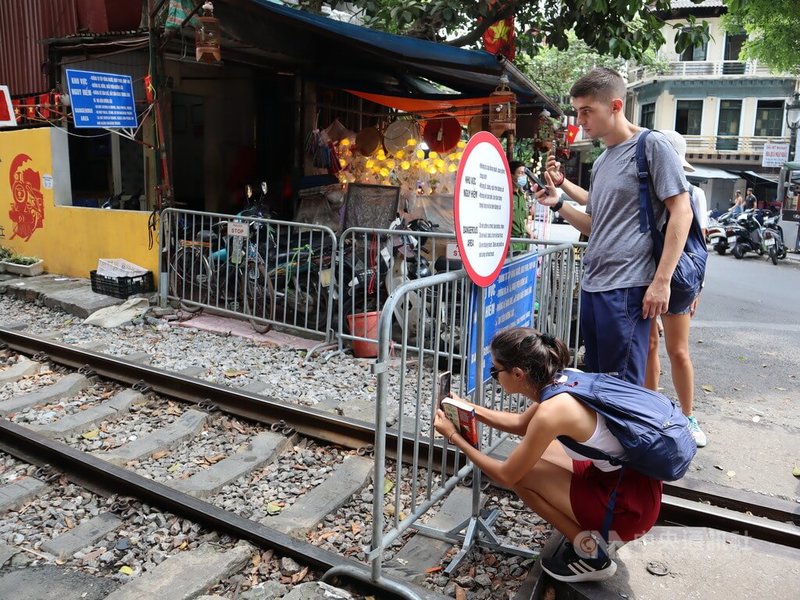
(697, 433)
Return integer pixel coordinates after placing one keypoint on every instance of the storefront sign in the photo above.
(775, 155)
(482, 208)
(7, 118)
(102, 100)
(509, 303)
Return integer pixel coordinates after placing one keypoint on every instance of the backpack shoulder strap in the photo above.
(646, 215)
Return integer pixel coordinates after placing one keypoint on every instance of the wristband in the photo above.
(560, 181)
(557, 206)
(450, 439)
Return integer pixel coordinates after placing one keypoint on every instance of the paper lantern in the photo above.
(442, 133)
(206, 37)
(503, 109)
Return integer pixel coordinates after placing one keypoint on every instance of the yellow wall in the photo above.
(70, 239)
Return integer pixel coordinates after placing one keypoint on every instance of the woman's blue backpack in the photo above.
(653, 431)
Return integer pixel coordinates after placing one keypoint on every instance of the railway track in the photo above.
(256, 428)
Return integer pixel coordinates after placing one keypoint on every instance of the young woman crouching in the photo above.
(570, 491)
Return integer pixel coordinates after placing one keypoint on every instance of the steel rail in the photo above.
(26, 444)
(731, 510)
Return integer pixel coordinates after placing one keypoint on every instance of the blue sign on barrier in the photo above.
(102, 100)
(509, 303)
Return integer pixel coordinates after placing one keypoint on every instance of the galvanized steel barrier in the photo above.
(272, 272)
(406, 374)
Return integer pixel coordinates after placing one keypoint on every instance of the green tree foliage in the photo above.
(773, 31)
(627, 29)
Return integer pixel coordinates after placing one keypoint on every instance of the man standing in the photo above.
(750, 200)
(519, 227)
(622, 286)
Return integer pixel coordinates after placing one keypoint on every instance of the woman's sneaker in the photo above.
(570, 567)
(697, 433)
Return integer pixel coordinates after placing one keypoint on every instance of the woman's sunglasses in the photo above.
(494, 371)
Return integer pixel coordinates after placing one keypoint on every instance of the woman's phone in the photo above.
(443, 386)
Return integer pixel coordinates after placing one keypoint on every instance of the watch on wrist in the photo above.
(557, 206)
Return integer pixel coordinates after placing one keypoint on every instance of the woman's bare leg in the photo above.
(676, 336)
(653, 370)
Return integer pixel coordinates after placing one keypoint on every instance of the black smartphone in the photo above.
(535, 179)
(443, 386)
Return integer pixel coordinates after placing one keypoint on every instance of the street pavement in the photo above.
(745, 345)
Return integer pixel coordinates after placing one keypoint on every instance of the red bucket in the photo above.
(364, 325)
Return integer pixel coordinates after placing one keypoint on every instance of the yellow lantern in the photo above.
(206, 37)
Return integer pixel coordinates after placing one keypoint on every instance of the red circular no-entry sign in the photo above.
(482, 207)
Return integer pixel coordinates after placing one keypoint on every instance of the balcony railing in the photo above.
(702, 69)
(729, 144)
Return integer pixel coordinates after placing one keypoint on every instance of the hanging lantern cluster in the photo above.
(503, 109)
(207, 36)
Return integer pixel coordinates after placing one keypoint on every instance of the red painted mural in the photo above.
(27, 209)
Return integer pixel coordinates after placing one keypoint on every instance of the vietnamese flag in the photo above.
(500, 37)
(572, 134)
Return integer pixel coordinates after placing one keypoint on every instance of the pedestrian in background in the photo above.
(738, 203)
(519, 223)
(676, 327)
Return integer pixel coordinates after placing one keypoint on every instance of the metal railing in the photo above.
(703, 69)
(730, 143)
(406, 375)
(268, 271)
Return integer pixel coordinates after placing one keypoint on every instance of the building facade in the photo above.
(727, 108)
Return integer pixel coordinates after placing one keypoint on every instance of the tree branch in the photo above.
(501, 12)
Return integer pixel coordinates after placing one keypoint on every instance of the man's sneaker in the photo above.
(697, 433)
(571, 567)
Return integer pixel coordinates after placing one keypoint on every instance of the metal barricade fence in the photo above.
(269, 271)
(406, 375)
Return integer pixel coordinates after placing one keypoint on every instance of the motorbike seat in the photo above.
(204, 235)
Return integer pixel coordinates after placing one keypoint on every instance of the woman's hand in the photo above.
(443, 425)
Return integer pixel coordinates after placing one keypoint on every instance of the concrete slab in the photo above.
(192, 371)
(13, 495)
(141, 358)
(346, 479)
(80, 301)
(261, 450)
(31, 288)
(85, 534)
(6, 552)
(422, 552)
(241, 328)
(48, 582)
(65, 387)
(14, 325)
(364, 410)
(699, 563)
(186, 575)
(165, 438)
(22, 368)
(316, 590)
(110, 410)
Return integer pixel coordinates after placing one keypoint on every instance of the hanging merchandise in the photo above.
(398, 133)
(545, 132)
(503, 109)
(207, 36)
(442, 133)
(368, 141)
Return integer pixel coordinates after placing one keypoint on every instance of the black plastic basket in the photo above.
(122, 287)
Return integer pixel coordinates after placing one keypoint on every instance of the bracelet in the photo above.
(450, 439)
(557, 206)
(560, 181)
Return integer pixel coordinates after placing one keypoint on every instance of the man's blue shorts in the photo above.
(614, 333)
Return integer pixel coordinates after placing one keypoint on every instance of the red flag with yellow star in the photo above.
(500, 37)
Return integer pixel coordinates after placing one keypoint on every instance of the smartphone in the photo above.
(537, 180)
(443, 386)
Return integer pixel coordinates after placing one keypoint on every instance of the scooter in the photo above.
(719, 232)
(772, 237)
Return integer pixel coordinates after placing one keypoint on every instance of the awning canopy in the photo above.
(768, 177)
(706, 173)
(348, 56)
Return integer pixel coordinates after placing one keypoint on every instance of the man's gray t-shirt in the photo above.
(619, 255)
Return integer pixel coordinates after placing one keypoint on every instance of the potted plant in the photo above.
(24, 265)
(4, 254)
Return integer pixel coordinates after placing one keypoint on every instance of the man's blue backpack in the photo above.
(653, 431)
(687, 279)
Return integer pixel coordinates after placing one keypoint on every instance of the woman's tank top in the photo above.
(602, 439)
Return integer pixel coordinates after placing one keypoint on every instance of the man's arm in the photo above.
(549, 197)
(656, 299)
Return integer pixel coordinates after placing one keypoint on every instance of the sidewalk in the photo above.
(73, 295)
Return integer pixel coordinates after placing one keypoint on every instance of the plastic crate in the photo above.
(118, 267)
(122, 287)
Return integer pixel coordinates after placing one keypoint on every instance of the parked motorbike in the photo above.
(772, 237)
(720, 231)
(760, 233)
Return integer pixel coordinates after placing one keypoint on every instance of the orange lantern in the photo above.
(206, 37)
(503, 109)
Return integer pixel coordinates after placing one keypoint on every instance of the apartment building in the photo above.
(727, 108)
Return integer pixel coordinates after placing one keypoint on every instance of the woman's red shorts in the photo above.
(637, 506)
